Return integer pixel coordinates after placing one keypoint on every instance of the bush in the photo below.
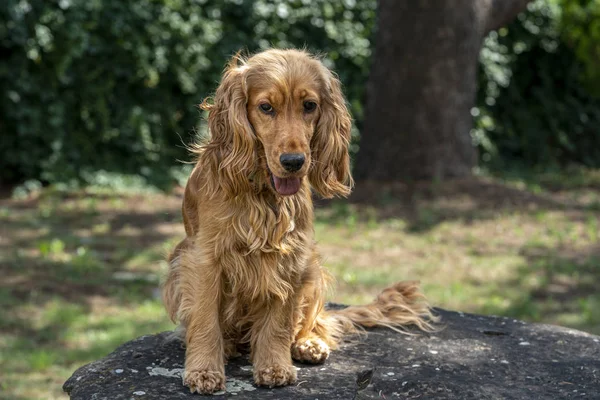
(538, 103)
(111, 85)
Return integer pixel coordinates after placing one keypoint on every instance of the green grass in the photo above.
(487, 245)
(80, 270)
(80, 274)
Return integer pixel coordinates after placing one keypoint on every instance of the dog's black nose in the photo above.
(292, 162)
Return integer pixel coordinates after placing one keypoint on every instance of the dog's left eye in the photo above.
(266, 108)
(310, 106)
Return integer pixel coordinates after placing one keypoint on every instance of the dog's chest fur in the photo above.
(263, 250)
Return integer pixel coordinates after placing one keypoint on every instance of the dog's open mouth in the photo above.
(285, 186)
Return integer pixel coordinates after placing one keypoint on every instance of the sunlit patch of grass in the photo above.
(62, 336)
(92, 336)
(146, 259)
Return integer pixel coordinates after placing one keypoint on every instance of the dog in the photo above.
(247, 271)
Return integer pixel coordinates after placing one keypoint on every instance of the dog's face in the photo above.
(280, 113)
(284, 117)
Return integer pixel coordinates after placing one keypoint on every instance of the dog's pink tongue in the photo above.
(286, 186)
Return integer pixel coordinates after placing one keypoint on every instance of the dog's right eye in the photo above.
(266, 108)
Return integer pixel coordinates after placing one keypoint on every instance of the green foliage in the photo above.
(581, 31)
(536, 104)
(111, 85)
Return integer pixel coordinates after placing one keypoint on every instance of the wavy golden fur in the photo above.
(248, 272)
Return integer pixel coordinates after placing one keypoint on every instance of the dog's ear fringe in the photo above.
(239, 59)
(229, 152)
(330, 174)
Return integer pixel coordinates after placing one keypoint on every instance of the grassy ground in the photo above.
(80, 271)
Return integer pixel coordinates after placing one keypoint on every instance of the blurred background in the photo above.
(476, 151)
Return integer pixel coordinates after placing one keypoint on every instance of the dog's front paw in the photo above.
(204, 381)
(311, 350)
(275, 375)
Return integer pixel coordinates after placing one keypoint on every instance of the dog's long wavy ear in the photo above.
(330, 173)
(230, 152)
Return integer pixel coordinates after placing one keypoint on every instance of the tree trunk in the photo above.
(422, 87)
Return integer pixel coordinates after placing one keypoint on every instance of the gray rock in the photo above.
(474, 357)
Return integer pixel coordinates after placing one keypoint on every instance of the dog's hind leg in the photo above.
(314, 335)
(171, 293)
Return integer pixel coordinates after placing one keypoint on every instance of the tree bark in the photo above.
(422, 87)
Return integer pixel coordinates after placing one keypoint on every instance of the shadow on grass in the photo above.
(557, 285)
(426, 205)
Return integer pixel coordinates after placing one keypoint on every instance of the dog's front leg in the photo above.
(272, 336)
(204, 355)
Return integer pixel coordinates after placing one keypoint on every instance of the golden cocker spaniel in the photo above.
(248, 272)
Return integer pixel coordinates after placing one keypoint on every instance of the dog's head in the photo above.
(281, 114)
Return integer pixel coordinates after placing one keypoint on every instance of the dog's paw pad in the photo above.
(310, 350)
(275, 375)
(204, 381)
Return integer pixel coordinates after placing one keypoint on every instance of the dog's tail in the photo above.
(398, 307)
